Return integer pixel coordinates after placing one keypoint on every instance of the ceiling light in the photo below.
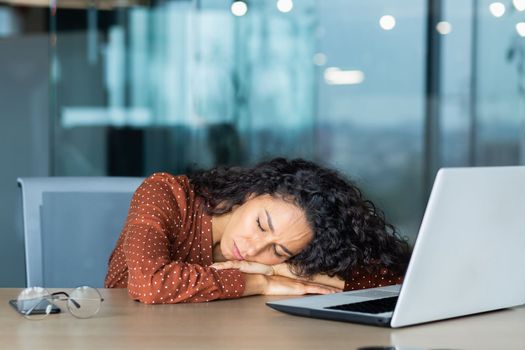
(444, 28)
(336, 76)
(519, 4)
(497, 9)
(319, 59)
(239, 8)
(387, 22)
(520, 28)
(285, 5)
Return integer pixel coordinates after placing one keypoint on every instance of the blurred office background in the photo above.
(386, 91)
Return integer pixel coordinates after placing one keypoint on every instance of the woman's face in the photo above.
(265, 229)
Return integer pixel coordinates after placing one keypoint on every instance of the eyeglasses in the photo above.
(35, 303)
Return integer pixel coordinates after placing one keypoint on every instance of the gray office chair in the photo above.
(71, 225)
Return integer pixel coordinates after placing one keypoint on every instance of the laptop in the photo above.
(468, 258)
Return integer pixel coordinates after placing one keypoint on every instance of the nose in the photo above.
(253, 250)
(256, 246)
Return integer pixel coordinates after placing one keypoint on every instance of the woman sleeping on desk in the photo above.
(280, 228)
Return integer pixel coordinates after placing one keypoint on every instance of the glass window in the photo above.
(146, 88)
(140, 87)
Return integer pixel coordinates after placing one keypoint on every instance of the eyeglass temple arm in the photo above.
(30, 310)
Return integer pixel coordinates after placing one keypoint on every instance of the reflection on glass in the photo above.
(159, 87)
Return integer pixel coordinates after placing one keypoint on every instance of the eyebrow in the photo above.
(269, 220)
(286, 250)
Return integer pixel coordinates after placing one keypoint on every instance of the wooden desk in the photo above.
(241, 324)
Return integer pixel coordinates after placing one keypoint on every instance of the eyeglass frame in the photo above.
(50, 297)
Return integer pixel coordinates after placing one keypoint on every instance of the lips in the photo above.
(236, 252)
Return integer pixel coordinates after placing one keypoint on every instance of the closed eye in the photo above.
(276, 253)
(259, 224)
(274, 245)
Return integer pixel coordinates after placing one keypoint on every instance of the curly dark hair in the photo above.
(349, 231)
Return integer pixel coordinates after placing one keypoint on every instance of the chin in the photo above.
(227, 255)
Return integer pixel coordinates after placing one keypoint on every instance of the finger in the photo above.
(332, 289)
(224, 265)
(253, 267)
(317, 289)
(327, 287)
(283, 269)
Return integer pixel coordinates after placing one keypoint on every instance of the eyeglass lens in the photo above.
(34, 303)
(84, 302)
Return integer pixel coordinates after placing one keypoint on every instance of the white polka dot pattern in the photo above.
(165, 249)
(361, 279)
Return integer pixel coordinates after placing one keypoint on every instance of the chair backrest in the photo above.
(70, 227)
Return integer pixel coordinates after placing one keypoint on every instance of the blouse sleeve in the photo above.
(158, 208)
(359, 278)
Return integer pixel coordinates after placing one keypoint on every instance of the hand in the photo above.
(278, 285)
(283, 269)
(246, 267)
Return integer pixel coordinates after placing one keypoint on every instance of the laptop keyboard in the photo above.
(375, 306)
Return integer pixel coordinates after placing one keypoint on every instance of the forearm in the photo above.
(284, 270)
(255, 284)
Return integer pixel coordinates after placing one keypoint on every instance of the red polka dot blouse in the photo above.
(165, 249)
(361, 279)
